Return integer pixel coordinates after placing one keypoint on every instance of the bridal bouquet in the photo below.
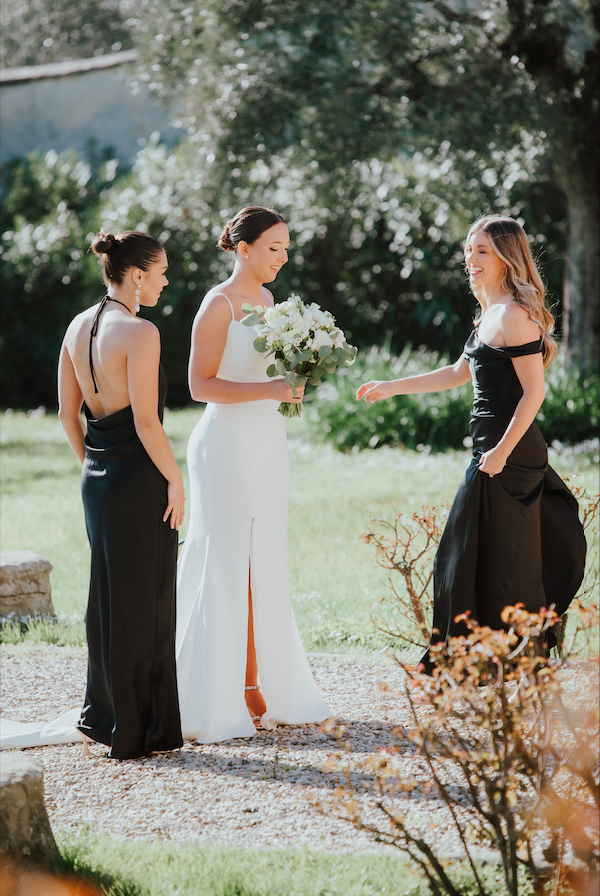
(304, 341)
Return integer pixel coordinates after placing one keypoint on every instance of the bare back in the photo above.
(117, 329)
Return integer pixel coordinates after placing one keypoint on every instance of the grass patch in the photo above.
(336, 585)
(62, 631)
(139, 868)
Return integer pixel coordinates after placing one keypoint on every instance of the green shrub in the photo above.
(438, 420)
(570, 410)
(46, 272)
(376, 258)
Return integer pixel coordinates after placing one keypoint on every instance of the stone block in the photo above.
(25, 584)
(25, 832)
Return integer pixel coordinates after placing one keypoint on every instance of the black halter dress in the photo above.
(131, 701)
(512, 539)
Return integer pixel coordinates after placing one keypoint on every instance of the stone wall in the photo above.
(66, 105)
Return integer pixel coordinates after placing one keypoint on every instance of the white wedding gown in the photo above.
(239, 472)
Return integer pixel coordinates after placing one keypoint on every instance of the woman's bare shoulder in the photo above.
(141, 329)
(215, 305)
(81, 324)
(517, 326)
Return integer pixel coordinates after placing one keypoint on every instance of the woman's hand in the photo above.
(282, 392)
(175, 504)
(375, 390)
(492, 462)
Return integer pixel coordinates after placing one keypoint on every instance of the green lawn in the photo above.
(138, 868)
(335, 580)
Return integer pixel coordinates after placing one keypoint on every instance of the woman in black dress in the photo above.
(133, 499)
(513, 534)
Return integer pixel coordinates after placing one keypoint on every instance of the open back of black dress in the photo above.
(131, 701)
(516, 537)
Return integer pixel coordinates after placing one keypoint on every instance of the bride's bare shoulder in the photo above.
(215, 307)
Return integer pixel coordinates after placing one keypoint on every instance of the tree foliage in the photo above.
(347, 81)
(39, 32)
(380, 130)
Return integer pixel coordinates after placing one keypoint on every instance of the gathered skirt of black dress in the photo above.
(516, 537)
(131, 701)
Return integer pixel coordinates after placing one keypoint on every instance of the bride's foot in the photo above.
(86, 750)
(255, 703)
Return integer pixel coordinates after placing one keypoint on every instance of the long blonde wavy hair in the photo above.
(521, 276)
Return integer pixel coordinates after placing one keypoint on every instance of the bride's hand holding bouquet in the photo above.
(305, 343)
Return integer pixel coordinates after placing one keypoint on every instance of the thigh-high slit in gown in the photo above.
(516, 537)
(131, 701)
(239, 472)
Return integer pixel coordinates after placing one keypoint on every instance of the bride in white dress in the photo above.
(240, 660)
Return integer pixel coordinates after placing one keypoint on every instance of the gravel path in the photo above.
(251, 792)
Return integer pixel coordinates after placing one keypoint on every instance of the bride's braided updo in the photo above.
(247, 226)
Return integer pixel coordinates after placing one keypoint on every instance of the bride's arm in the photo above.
(209, 335)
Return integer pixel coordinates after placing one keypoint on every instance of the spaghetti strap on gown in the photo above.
(516, 537)
(239, 472)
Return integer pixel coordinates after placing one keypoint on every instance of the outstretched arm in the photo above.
(435, 381)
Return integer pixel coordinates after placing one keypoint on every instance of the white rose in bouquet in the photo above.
(321, 337)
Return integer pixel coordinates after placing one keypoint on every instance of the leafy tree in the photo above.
(39, 32)
(350, 80)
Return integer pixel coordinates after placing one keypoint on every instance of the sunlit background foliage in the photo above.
(379, 129)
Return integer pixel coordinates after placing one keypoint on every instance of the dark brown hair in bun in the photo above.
(248, 225)
(118, 254)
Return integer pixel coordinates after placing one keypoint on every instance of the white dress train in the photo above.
(41, 734)
(239, 472)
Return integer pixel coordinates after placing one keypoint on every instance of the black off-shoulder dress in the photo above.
(516, 537)
(131, 701)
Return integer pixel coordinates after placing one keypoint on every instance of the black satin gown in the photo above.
(131, 701)
(515, 538)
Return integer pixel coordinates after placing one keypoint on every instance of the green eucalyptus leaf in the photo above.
(271, 370)
(260, 344)
(325, 351)
(280, 367)
(250, 320)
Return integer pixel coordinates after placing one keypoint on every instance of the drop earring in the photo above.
(137, 298)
